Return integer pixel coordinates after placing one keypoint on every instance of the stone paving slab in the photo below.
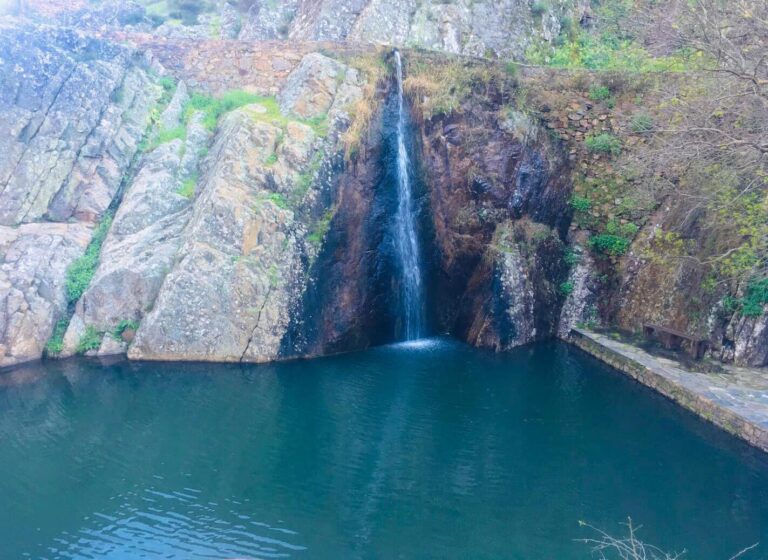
(736, 401)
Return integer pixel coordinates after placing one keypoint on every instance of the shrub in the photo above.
(187, 10)
(81, 271)
(56, 343)
(167, 83)
(582, 48)
(641, 123)
(581, 203)
(321, 228)
(571, 257)
(603, 143)
(628, 230)
(755, 299)
(609, 244)
(90, 340)
(122, 326)
(538, 9)
(599, 93)
(566, 288)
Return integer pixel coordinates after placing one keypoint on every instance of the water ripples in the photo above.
(423, 449)
(178, 524)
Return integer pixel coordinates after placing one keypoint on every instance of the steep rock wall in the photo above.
(241, 268)
(74, 110)
(498, 197)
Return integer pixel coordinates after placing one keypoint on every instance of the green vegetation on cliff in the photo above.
(611, 41)
(89, 340)
(81, 271)
(56, 342)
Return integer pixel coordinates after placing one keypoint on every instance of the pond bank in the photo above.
(736, 401)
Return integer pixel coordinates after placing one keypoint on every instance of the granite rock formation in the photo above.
(74, 109)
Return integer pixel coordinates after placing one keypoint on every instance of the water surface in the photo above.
(421, 450)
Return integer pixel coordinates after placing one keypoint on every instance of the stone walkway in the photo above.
(736, 401)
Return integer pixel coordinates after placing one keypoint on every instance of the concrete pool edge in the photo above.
(693, 391)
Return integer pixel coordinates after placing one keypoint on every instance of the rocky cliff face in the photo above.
(499, 193)
(233, 201)
(74, 110)
(208, 232)
(499, 29)
(219, 276)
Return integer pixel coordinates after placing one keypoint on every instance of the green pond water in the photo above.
(421, 450)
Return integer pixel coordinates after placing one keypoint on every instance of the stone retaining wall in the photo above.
(658, 379)
(216, 66)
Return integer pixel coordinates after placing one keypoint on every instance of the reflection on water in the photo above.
(425, 449)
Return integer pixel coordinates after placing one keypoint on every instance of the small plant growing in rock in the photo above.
(641, 123)
(81, 271)
(56, 343)
(274, 276)
(602, 93)
(167, 83)
(321, 228)
(609, 244)
(603, 143)
(599, 93)
(566, 288)
(278, 200)
(215, 107)
(582, 206)
(123, 326)
(511, 68)
(90, 340)
(166, 135)
(188, 187)
(581, 203)
(571, 257)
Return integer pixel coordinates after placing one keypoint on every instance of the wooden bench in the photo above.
(672, 339)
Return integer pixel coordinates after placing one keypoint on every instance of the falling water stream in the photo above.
(406, 241)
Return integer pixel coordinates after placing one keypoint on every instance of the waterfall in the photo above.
(406, 240)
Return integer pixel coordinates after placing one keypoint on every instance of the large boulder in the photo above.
(33, 263)
(228, 297)
(241, 268)
(312, 87)
(142, 243)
